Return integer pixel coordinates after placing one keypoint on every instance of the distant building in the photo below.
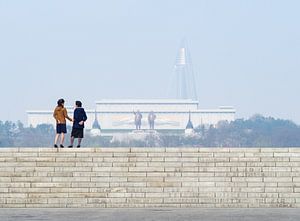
(117, 115)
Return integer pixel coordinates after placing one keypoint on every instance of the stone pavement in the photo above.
(157, 214)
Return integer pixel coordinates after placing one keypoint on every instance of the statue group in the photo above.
(138, 119)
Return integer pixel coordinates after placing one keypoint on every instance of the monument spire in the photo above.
(96, 124)
(96, 129)
(189, 129)
(184, 83)
(189, 124)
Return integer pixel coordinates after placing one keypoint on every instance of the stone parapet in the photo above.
(149, 177)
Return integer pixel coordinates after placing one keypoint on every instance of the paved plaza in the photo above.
(158, 214)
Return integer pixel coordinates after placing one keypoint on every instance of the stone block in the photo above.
(108, 179)
(56, 165)
(156, 159)
(73, 169)
(216, 149)
(197, 155)
(263, 195)
(114, 149)
(245, 150)
(145, 189)
(163, 195)
(110, 169)
(145, 179)
(146, 169)
(8, 159)
(259, 154)
(248, 189)
(182, 149)
(213, 160)
(163, 154)
(163, 174)
(278, 189)
(260, 164)
(216, 179)
(69, 179)
(13, 185)
(30, 179)
(214, 169)
(171, 164)
(229, 155)
(127, 155)
(135, 195)
(115, 159)
(29, 190)
(247, 179)
(181, 179)
(181, 200)
(144, 200)
(163, 184)
(140, 159)
(276, 169)
(278, 179)
(231, 184)
(3, 190)
(289, 195)
(128, 174)
(88, 194)
(275, 150)
(47, 195)
(147, 149)
(128, 184)
(51, 184)
(294, 159)
(262, 184)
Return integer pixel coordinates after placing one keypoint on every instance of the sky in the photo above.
(246, 54)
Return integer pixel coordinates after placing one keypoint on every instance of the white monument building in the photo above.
(117, 115)
(181, 113)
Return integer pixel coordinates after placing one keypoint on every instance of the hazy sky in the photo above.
(246, 53)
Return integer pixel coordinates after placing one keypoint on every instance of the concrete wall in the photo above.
(150, 177)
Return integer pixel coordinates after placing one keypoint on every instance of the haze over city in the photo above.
(245, 53)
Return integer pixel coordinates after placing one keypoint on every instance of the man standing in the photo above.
(78, 124)
(151, 119)
(138, 119)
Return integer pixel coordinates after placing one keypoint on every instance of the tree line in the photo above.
(257, 131)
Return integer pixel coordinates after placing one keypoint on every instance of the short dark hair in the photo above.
(60, 102)
(78, 103)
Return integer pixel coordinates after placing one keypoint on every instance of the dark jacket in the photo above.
(79, 115)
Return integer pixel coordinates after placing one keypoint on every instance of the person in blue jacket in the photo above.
(78, 124)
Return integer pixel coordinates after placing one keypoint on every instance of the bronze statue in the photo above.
(151, 119)
(138, 119)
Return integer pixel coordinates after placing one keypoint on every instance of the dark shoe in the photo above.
(55, 146)
(78, 146)
(62, 146)
(70, 146)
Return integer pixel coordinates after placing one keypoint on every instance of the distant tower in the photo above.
(96, 129)
(189, 129)
(183, 84)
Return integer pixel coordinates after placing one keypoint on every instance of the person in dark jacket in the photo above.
(78, 124)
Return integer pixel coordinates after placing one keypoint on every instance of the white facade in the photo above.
(117, 115)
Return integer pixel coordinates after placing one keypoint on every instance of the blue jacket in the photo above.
(79, 115)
